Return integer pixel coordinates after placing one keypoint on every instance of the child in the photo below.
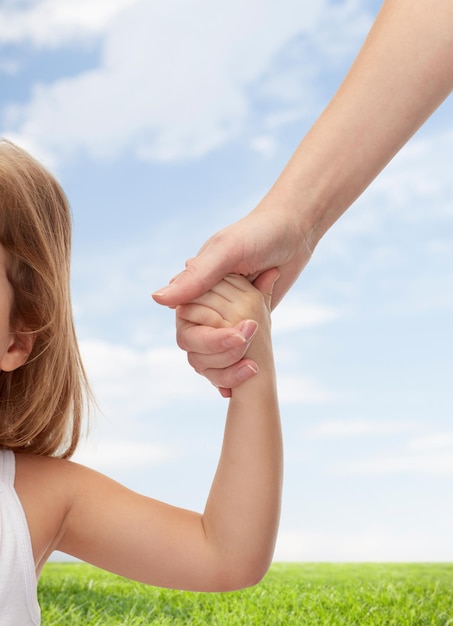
(49, 503)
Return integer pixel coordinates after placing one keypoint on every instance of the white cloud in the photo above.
(51, 23)
(419, 180)
(174, 79)
(372, 544)
(417, 187)
(415, 190)
(129, 382)
(440, 464)
(113, 456)
(122, 277)
(263, 144)
(401, 232)
(301, 390)
(335, 428)
(355, 23)
(39, 151)
(428, 453)
(432, 442)
(293, 315)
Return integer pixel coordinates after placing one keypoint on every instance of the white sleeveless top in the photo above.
(18, 585)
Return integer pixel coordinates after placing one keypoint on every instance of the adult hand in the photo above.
(267, 237)
(264, 239)
(401, 75)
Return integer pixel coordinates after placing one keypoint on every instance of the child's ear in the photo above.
(18, 351)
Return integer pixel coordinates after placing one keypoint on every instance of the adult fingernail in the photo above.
(163, 291)
(248, 329)
(247, 371)
(233, 341)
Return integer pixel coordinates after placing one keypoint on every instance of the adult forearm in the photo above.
(402, 74)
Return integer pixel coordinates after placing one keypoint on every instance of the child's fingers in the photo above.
(232, 376)
(223, 299)
(229, 287)
(201, 314)
(232, 299)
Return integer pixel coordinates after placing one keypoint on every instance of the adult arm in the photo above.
(401, 75)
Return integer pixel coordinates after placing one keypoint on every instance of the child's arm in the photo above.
(243, 507)
(79, 511)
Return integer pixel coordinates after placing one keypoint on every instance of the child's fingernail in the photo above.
(247, 371)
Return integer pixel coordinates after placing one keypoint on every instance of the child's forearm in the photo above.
(243, 509)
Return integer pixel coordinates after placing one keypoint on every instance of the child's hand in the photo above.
(233, 300)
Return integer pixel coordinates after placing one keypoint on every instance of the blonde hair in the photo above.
(43, 401)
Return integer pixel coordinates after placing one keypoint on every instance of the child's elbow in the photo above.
(240, 575)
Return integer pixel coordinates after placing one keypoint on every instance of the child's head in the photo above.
(41, 401)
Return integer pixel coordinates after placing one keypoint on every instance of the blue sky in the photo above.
(165, 121)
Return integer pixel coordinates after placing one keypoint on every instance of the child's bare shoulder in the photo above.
(42, 480)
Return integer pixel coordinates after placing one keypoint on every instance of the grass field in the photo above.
(291, 594)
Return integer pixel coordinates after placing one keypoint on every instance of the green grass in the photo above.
(291, 594)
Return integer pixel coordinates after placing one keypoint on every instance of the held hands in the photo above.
(269, 237)
(234, 303)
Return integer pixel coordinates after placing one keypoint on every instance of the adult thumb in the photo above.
(265, 283)
(201, 274)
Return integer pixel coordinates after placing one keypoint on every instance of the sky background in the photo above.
(165, 121)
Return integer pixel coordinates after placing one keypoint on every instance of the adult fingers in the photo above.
(221, 360)
(265, 283)
(230, 377)
(215, 260)
(206, 340)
